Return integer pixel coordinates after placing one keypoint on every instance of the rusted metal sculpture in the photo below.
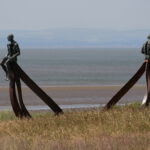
(18, 107)
(16, 73)
(145, 67)
(11, 56)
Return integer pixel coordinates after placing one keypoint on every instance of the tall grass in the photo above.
(121, 128)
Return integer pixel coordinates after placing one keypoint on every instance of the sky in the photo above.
(48, 14)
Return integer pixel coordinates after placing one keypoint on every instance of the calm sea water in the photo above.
(53, 67)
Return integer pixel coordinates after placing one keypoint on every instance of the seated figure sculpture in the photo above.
(13, 52)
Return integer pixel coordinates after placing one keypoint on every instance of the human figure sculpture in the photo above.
(14, 74)
(146, 48)
(145, 67)
(13, 52)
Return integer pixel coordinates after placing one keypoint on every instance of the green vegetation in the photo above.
(122, 128)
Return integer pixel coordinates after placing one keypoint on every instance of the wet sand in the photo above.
(66, 95)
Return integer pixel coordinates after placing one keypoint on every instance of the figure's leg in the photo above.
(4, 66)
(2, 63)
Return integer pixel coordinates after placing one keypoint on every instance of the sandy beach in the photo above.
(66, 95)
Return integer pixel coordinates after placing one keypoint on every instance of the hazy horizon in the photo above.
(80, 23)
(76, 38)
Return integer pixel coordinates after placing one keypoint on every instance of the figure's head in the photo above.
(10, 37)
(148, 37)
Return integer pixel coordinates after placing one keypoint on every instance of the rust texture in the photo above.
(146, 99)
(127, 87)
(13, 97)
(16, 73)
(24, 110)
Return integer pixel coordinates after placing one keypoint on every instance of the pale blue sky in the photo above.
(46, 14)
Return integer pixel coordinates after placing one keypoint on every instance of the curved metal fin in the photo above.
(23, 108)
(36, 89)
(146, 98)
(126, 87)
(13, 97)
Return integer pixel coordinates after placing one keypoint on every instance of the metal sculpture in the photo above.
(13, 52)
(16, 73)
(18, 107)
(145, 67)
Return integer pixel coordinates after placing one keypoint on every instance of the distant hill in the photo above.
(62, 38)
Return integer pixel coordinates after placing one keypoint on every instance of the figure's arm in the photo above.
(5, 59)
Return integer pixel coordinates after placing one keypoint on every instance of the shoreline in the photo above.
(69, 95)
(88, 85)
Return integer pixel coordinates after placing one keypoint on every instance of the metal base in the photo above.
(16, 73)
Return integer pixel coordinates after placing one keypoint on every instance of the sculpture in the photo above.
(145, 67)
(14, 73)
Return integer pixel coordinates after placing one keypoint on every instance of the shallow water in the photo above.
(74, 106)
(43, 107)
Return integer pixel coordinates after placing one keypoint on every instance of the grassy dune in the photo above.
(121, 128)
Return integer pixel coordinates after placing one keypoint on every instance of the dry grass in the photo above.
(122, 128)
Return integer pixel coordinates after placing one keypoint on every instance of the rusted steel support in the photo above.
(25, 112)
(36, 89)
(126, 87)
(146, 99)
(13, 97)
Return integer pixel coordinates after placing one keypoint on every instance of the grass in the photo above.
(122, 128)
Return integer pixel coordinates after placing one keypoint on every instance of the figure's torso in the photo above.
(12, 49)
(146, 49)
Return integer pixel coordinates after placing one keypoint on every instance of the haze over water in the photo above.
(72, 67)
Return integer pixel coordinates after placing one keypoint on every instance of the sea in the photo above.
(78, 66)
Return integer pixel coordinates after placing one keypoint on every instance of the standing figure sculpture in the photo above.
(13, 52)
(146, 48)
(145, 67)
